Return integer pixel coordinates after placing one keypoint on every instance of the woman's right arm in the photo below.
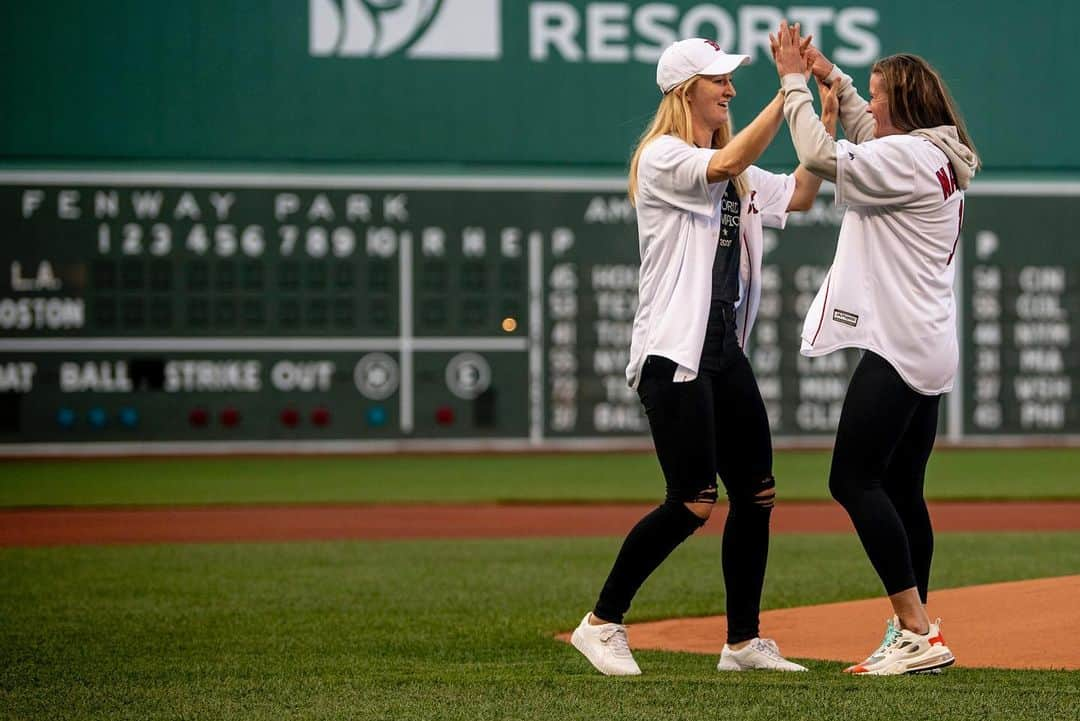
(748, 144)
(857, 124)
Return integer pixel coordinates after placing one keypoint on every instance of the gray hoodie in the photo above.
(964, 161)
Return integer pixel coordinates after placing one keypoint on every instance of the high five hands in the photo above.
(795, 54)
(789, 50)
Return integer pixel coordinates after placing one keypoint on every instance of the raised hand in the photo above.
(830, 105)
(789, 50)
(820, 65)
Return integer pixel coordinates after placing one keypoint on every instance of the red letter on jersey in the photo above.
(948, 185)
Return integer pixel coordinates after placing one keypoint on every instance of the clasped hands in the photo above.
(796, 54)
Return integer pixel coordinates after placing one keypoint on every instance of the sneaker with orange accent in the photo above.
(892, 628)
(908, 652)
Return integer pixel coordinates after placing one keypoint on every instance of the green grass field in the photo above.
(801, 475)
(458, 630)
(461, 629)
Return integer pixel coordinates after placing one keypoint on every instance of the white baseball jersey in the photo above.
(890, 288)
(678, 218)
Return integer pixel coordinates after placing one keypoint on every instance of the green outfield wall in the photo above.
(384, 224)
(506, 82)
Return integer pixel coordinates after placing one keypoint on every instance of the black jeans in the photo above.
(714, 424)
(883, 443)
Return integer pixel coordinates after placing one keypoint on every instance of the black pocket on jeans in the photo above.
(657, 372)
(646, 393)
(657, 366)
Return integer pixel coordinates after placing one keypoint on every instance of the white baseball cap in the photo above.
(694, 56)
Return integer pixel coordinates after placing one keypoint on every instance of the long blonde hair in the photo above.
(673, 118)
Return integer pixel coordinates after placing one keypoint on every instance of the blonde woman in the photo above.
(701, 206)
(902, 174)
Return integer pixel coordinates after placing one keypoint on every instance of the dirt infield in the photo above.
(63, 526)
(978, 617)
(976, 620)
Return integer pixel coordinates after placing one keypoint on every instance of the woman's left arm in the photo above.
(813, 144)
(806, 183)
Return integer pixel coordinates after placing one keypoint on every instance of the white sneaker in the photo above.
(909, 652)
(759, 654)
(892, 629)
(606, 647)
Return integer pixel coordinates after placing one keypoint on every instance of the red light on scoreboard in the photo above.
(320, 417)
(198, 417)
(230, 417)
(444, 416)
(290, 417)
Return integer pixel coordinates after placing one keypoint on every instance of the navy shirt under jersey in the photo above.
(725, 284)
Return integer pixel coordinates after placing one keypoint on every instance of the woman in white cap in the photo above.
(902, 174)
(701, 206)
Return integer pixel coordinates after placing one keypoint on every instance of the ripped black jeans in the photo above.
(713, 425)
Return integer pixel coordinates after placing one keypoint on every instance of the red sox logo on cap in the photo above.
(694, 56)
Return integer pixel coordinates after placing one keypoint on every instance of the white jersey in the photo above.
(890, 288)
(678, 218)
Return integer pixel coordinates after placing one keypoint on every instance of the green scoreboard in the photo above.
(203, 312)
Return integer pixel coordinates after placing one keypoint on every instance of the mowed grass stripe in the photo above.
(454, 630)
(801, 475)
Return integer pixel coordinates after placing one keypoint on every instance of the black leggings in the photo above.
(883, 442)
(713, 424)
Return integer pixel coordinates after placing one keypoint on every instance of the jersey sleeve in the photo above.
(770, 194)
(875, 173)
(675, 173)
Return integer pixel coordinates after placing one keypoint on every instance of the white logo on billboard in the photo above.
(613, 32)
(468, 375)
(444, 29)
(593, 32)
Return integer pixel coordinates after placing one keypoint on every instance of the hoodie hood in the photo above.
(964, 161)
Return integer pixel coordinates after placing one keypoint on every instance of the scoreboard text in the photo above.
(202, 311)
